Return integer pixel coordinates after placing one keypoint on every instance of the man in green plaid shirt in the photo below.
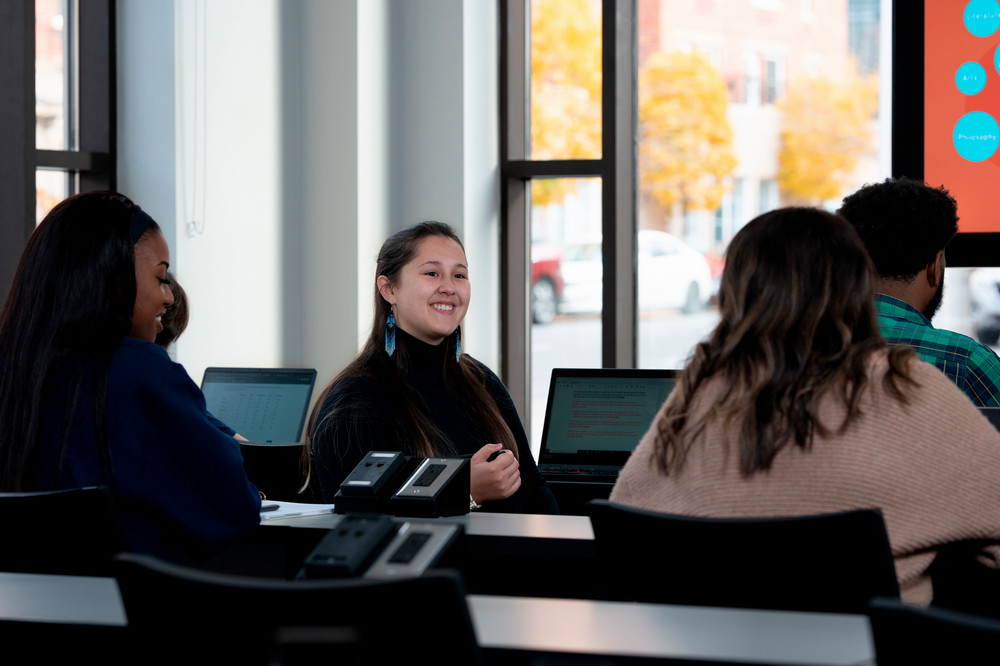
(906, 225)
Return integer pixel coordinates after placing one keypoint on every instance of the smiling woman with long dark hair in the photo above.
(795, 405)
(412, 389)
(87, 398)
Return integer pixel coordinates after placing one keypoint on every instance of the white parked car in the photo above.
(672, 275)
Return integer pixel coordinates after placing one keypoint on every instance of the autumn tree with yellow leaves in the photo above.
(565, 87)
(685, 139)
(827, 127)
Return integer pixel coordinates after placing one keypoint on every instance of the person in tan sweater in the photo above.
(794, 405)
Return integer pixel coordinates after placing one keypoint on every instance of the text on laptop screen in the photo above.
(602, 414)
(266, 406)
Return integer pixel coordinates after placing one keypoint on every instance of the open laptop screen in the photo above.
(265, 405)
(597, 416)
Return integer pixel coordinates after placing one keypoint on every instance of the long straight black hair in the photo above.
(466, 376)
(69, 305)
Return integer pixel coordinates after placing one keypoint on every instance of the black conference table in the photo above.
(507, 554)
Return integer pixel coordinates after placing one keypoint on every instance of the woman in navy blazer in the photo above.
(88, 398)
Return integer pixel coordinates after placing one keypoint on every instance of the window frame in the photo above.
(89, 166)
(617, 168)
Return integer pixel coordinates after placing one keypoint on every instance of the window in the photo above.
(807, 10)
(567, 197)
(774, 80)
(768, 195)
(751, 78)
(723, 135)
(58, 129)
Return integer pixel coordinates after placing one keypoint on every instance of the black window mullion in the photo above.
(515, 203)
(17, 132)
(555, 168)
(73, 160)
(95, 104)
(618, 220)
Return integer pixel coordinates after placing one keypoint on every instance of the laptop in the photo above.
(265, 405)
(594, 418)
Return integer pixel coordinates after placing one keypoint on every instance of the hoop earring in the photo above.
(390, 334)
(458, 345)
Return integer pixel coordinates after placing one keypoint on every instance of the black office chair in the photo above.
(73, 532)
(962, 582)
(275, 469)
(906, 635)
(177, 614)
(832, 562)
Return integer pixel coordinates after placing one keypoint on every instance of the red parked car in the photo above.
(546, 282)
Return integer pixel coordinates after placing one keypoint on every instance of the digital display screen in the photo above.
(961, 104)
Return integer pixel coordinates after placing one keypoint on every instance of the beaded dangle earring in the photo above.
(458, 344)
(390, 334)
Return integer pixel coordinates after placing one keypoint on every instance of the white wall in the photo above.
(481, 169)
(146, 110)
(445, 141)
(229, 228)
(296, 134)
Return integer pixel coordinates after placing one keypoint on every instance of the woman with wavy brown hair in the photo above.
(794, 405)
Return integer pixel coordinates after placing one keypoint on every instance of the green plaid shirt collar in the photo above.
(887, 306)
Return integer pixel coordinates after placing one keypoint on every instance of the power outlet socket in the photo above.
(371, 476)
(350, 547)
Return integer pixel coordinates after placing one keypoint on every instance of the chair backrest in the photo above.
(831, 562)
(909, 635)
(181, 614)
(275, 469)
(74, 531)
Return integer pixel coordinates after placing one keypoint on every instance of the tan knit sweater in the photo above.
(932, 466)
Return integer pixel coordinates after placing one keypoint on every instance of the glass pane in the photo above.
(971, 304)
(565, 79)
(567, 279)
(52, 76)
(51, 187)
(676, 284)
(743, 106)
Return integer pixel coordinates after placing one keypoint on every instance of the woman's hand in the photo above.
(493, 479)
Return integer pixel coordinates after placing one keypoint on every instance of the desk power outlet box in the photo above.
(374, 474)
(437, 487)
(350, 547)
(416, 547)
(370, 485)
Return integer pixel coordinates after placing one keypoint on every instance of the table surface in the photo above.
(544, 625)
(675, 632)
(477, 523)
(66, 599)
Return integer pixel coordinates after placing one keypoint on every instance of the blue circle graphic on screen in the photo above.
(982, 17)
(976, 136)
(970, 78)
(996, 58)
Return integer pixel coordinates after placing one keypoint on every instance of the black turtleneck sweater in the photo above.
(365, 413)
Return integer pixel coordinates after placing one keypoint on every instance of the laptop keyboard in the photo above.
(602, 471)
